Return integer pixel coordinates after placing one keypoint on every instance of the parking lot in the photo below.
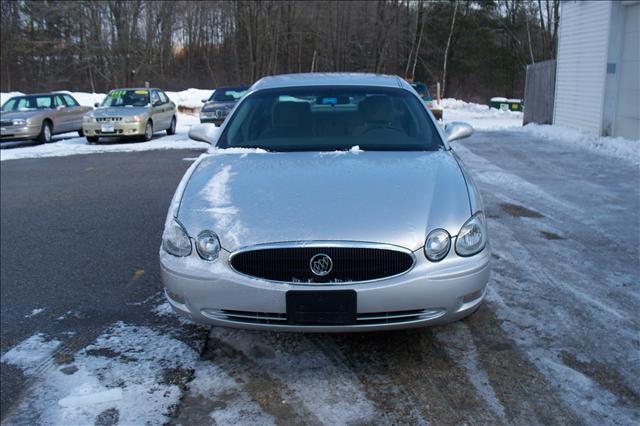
(87, 338)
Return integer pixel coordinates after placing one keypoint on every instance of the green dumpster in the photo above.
(506, 104)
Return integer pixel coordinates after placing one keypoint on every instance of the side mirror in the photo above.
(207, 132)
(96, 105)
(59, 107)
(204, 101)
(457, 130)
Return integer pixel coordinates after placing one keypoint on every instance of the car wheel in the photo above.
(92, 139)
(148, 131)
(81, 133)
(45, 132)
(172, 128)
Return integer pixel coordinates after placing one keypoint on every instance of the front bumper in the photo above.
(429, 294)
(19, 132)
(119, 129)
(217, 121)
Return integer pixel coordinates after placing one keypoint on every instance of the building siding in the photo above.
(581, 64)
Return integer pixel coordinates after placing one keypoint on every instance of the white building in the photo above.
(597, 74)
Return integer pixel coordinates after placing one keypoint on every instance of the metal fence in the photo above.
(539, 92)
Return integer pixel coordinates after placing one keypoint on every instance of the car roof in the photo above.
(330, 79)
(42, 94)
(136, 88)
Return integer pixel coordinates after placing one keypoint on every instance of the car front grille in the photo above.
(108, 119)
(349, 264)
(375, 318)
(6, 123)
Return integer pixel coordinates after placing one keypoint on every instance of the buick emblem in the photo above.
(321, 264)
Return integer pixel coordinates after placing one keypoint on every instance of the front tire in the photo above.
(148, 131)
(45, 133)
(172, 128)
(92, 139)
(81, 133)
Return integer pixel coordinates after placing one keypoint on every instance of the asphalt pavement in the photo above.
(556, 341)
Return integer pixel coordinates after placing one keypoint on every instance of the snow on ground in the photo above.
(67, 144)
(481, 117)
(129, 373)
(616, 147)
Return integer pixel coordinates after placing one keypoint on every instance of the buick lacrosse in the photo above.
(327, 202)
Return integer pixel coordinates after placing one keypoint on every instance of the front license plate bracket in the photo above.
(330, 307)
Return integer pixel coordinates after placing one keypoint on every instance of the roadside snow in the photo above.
(34, 312)
(481, 117)
(616, 147)
(77, 145)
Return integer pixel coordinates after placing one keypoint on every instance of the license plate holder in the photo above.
(331, 307)
(107, 128)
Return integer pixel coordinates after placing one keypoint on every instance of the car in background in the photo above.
(330, 203)
(221, 102)
(135, 112)
(40, 116)
(423, 91)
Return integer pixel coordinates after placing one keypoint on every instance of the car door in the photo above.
(167, 106)
(61, 115)
(157, 112)
(75, 112)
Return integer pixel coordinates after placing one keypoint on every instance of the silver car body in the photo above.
(63, 115)
(388, 200)
(113, 121)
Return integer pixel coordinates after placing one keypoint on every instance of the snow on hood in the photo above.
(386, 197)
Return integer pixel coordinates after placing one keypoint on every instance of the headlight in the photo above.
(19, 122)
(437, 245)
(175, 240)
(472, 236)
(88, 119)
(208, 245)
(133, 119)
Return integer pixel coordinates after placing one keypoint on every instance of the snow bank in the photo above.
(616, 147)
(71, 144)
(481, 117)
(191, 98)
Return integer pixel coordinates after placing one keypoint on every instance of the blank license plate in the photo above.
(322, 307)
(107, 128)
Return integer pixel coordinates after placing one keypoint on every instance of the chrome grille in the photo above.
(108, 119)
(349, 264)
(6, 123)
(374, 318)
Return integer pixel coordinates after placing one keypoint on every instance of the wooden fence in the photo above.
(539, 92)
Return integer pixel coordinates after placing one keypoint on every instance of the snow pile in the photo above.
(616, 147)
(71, 144)
(191, 98)
(130, 373)
(5, 96)
(481, 117)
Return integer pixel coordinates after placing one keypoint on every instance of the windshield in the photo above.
(134, 98)
(26, 103)
(228, 94)
(332, 118)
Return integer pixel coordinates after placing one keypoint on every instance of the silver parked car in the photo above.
(137, 113)
(40, 116)
(330, 202)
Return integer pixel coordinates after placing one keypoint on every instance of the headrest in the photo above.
(377, 108)
(291, 114)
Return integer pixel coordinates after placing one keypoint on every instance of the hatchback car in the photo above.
(221, 102)
(40, 116)
(329, 202)
(137, 113)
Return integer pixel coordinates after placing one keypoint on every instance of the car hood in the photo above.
(13, 115)
(119, 111)
(395, 198)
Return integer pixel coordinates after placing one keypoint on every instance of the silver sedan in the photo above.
(327, 203)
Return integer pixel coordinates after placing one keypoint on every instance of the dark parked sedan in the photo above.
(218, 106)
